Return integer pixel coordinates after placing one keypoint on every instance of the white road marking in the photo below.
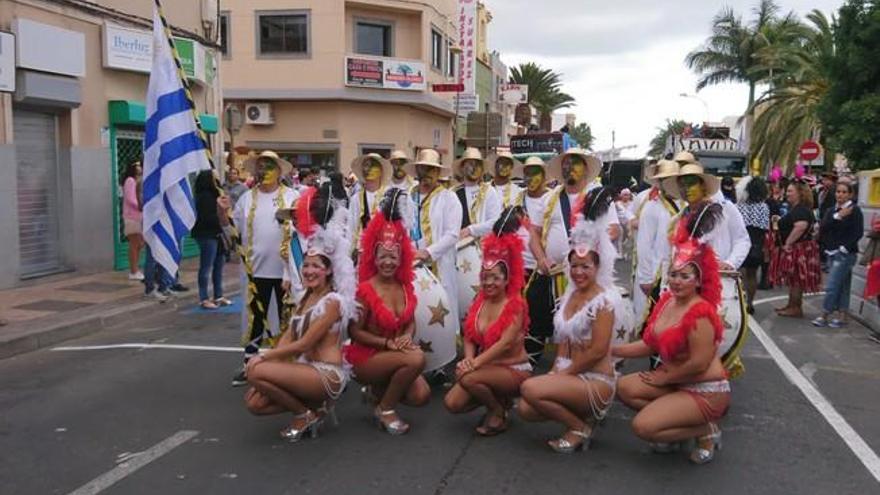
(149, 346)
(781, 298)
(846, 432)
(118, 473)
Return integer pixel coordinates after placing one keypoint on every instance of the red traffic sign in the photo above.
(809, 151)
(447, 88)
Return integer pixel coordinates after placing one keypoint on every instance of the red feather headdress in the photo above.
(689, 249)
(386, 229)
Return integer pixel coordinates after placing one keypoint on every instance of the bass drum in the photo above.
(435, 329)
(467, 263)
(624, 329)
(735, 320)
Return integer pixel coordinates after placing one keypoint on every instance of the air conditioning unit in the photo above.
(259, 114)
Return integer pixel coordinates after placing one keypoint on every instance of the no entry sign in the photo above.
(810, 150)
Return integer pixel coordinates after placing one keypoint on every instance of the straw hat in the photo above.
(357, 167)
(494, 157)
(536, 161)
(670, 184)
(663, 169)
(683, 157)
(251, 163)
(398, 155)
(428, 157)
(594, 165)
(469, 154)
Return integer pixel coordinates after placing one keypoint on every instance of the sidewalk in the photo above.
(67, 306)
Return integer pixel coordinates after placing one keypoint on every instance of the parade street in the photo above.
(165, 420)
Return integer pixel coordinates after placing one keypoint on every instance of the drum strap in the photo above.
(508, 190)
(462, 198)
(555, 198)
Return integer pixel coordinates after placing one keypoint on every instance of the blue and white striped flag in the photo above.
(173, 149)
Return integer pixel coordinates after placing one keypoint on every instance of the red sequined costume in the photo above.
(671, 344)
(389, 234)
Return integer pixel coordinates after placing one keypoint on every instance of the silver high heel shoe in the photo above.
(564, 446)
(702, 455)
(311, 427)
(395, 428)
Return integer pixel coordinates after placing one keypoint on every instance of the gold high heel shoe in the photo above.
(395, 428)
(706, 446)
(312, 425)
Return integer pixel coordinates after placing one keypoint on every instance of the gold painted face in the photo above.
(574, 169)
(535, 179)
(270, 173)
(372, 170)
(428, 175)
(473, 170)
(503, 167)
(692, 188)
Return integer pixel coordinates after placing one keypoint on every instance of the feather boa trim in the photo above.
(514, 307)
(707, 261)
(305, 225)
(674, 340)
(381, 315)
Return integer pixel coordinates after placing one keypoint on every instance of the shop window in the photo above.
(436, 50)
(373, 38)
(383, 151)
(283, 33)
(224, 34)
(451, 60)
(321, 162)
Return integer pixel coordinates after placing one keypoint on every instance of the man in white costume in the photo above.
(505, 166)
(400, 178)
(373, 174)
(480, 202)
(579, 171)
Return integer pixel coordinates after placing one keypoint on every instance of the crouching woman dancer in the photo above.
(495, 361)
(688, 393)
(579, 389)
(303, 374)
(383, 355)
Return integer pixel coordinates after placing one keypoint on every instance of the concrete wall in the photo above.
(92, 213)
(9, 218)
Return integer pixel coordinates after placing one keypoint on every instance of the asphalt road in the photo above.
(70, 417)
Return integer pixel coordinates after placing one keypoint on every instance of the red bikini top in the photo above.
(673, 341)
(389, 324)
(514, 307)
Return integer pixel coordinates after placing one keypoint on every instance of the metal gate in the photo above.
(36, 152)
(128, 147)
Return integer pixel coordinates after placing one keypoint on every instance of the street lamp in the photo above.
(456, 50)
(705, 105)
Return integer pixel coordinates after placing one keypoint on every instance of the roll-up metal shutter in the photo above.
(36, 151)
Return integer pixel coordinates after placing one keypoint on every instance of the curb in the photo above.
(28, 340)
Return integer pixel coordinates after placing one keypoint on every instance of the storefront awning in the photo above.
(127, 112)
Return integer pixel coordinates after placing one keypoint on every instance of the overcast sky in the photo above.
(623, 61)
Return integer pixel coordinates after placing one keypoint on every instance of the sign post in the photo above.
(809, 151)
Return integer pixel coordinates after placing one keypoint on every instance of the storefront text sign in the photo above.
(467, 37)
(385, 73)
(132, 49)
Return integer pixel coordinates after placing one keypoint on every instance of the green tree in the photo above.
(787, 114)
(583, 134)
(850, 112)
(657, 147)
(729, 54)
(545, 90)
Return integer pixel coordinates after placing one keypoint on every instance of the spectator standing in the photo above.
(234, 186)
(840, 231)
(796, 260)
(752, 205)
(207, 233)
(132, 218)
(728, 189)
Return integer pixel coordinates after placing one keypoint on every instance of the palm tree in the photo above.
(657, 147)
(583, 134)
(787, 113)
(545, 91)
(728, 55)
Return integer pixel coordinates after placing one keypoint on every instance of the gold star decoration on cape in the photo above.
(425, 346)
(424, 284)
(438, 314)
(465, 266)
(621, 333)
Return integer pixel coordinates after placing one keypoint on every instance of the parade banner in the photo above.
(467, 38)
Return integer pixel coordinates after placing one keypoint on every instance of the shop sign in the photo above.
(47, 48)
(467, 37)
(553, 142)
(466, 103)
(132, 49)
(385, 73)
(513, 94)
(7, 62)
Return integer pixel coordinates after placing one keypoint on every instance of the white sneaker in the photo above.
(136, 276)
(155, 294)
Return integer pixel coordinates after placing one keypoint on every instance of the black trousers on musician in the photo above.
(265, 288)
(541, 296)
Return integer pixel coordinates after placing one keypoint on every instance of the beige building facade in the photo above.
(73, 83)
(323, 81)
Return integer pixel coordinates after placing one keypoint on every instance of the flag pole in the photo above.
(253, 302)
